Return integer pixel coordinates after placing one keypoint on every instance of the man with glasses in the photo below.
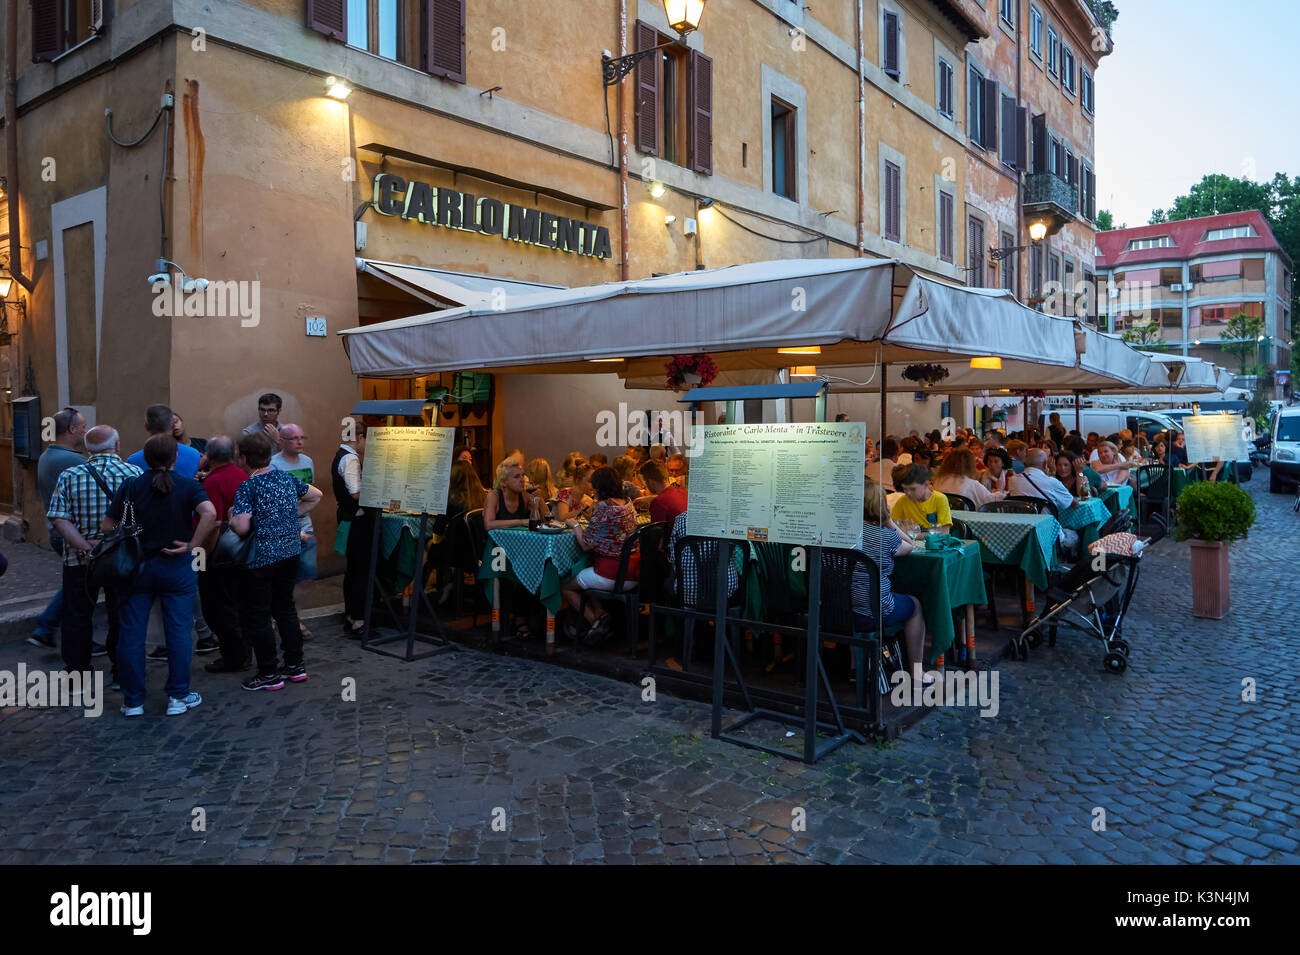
(677, 470)
(290, 458)
(268, 418)
(65, 452)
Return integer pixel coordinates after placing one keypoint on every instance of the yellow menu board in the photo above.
(790, 483)
(407, 469)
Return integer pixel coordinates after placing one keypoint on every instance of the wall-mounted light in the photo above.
(6, 283)
(801, 350)
(1037, 230)
(669, 220)
(684, 15)
(989, 362)
(336, 88)
(597, 361)
(657, 189)
(803, 371)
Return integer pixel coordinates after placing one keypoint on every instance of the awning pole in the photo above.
(1077, 427)
(884, 367)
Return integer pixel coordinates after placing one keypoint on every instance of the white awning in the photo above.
(445, 289)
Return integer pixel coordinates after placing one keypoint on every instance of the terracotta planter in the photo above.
(1210, 590)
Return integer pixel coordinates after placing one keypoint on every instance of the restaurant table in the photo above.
(1086, 517)
(1024, 541)
(1120, 496)
(539, 562)
(400, 534)
(943, 581)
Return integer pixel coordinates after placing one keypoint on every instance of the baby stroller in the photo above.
(1092, 596)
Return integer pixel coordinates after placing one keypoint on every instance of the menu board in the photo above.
(1211, 436)
(789, 483)
(407, 469)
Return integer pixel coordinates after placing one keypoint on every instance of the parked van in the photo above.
(1284, 456)
(1108, 421)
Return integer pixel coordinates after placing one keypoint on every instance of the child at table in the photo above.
(920, 503)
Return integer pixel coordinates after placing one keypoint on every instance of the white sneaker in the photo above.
(177, 706)
(133, 711)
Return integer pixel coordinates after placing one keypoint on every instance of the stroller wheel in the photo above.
(1116, 662)
(1120, 646)
(1035, 639)
(1022, 649)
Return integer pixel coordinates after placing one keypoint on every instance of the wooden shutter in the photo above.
(1040, 142)
(1071, 169)
(991, 94)
(891, 44)
(975, 253)
(444, 47)
(1022, 131)
(96, 16)
(945, 227)
(1058, 151)
(974, 97)
(699, 112)
(646, 104)
(329, 17)
(893, 202)
(46, 17)
(1008, 130)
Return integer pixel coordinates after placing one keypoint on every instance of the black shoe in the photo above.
(158, 654)
(207, 645)
(225, 666)
(45, 640)
(98, 649)
(266, 681)
(295, 673)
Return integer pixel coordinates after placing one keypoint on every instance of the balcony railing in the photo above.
(1047, 189)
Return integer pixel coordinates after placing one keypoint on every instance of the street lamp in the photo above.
(683, 17)
(1036, 232)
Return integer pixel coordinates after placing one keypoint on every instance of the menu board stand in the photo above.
(377, 641)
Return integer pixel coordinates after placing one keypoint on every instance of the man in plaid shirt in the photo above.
(76, 509)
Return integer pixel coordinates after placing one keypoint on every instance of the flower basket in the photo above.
(927, 374)
(688, 370)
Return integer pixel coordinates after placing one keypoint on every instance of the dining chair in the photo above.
(696, 583)
(1041, 505)
(625, 591)
(957, 502)
(1009, 505)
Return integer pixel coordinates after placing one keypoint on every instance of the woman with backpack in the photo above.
(163, 505)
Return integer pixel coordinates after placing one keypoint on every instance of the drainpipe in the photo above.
(11, 146)
(624, 268)
(1020, 184)
(862, 140)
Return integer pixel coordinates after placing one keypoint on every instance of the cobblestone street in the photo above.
(578, 768)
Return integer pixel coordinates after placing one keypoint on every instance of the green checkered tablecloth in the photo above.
(1027, 541)
(1086, 517)
(942, 580)
(1119, 497)
(540, 562)
(400, 534)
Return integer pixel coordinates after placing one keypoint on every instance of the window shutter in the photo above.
(646, 105)
(444, 49)
(1022, 132)
(1058, 150)
(96, 16)
(891, 44)
(945, 227)
(1039, 142)
(1071, 169)
(991, 94)
(974, 96)
(329, 17)
(699, 109)
(892, 203)
(45, 29)
(1008, 130)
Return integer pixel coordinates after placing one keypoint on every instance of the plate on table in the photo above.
(552, 529)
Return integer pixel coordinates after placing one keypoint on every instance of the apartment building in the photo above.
(1188, 278)
(1031, 112)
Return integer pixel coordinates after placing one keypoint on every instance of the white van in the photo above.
(1108, 421)
(1284, 457)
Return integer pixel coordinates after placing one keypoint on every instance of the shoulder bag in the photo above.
(233, 550)
(117, 556)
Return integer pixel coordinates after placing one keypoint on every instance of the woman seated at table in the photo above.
(515, 456)
(575, 501)
(1070, 473)
(538, 479)
(957, 475)
(571, 462)
(625, 470)
(508, 504)
(997, 464)
(447, 546)
(1107, 462)
(882, 542)
(612, 521)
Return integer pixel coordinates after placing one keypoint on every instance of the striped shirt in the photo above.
(80, 500)
(879, 542)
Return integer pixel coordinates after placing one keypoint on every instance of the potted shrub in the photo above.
(1211, 515)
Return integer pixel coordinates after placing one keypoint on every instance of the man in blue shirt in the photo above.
(158, 420)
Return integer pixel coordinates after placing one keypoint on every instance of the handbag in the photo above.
(116, 557)
(233, 550)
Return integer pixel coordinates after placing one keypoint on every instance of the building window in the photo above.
(1067, 68)
(946, 227)
(1236, 232)
(1218, 314)
(1086, 91)
(673, 108)
(784, 148)
(1009, 156)
(1035, 32)
(1052, 45)
(893, 202)
(975, 253)
(1035, 270)
(1054, 269)
(60, 25)
(981, 109)
(891, 44)
(1007, 11)
(945, 88)
(1154, 242)
(1090, 295)
(1009, 264)
(427, 34)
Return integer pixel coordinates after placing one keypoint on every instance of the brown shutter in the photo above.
(892, 202)
(444, 47)
(1022, 132)
(945, 227)
(646, 103)
(991, 94)
(890, 65)
(1008, 130)
(1039, 142)
(1071, 170)
(699, 111)
(329, 17)
(45, 29)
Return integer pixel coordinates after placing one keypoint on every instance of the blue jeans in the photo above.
(52, 615)
(307, 559)
(173, 580)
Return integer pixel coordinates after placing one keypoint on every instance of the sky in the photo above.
(1195, 87)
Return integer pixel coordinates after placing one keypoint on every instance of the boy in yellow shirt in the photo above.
(919, 504)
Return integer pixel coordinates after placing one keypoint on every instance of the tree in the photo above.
(1105, 221)
(1144, 335)
(1240, 337)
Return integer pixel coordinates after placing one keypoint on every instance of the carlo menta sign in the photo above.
(433, 205)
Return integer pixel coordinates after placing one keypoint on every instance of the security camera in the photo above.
(194, 285)
(160, 277)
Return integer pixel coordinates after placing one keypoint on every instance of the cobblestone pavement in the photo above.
(579, 768)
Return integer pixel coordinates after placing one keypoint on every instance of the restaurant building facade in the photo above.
(478, 156)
